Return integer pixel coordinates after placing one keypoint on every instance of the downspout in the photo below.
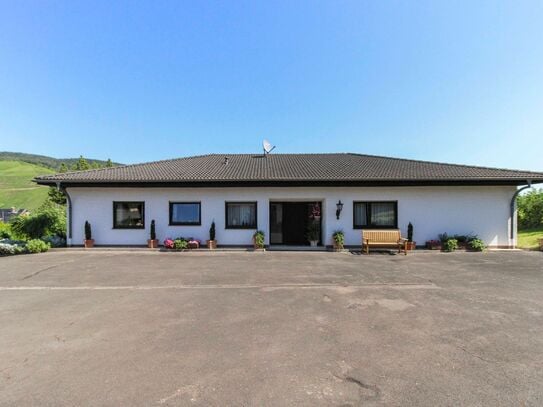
(69, 200)
(513, 202)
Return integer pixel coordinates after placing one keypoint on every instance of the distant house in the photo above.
(282, 194)
(7, 213)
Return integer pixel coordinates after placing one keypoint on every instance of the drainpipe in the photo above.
(513, 202)
(69, 201)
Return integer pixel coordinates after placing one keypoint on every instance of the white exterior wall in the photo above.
(483, 210)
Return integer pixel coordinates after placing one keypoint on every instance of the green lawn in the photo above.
(528, 238)
(16, 186)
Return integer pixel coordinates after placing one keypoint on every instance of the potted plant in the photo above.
(212, 243)
(410, 243)
(339, 240)
(152, 243)
(89, 241)
(450, 245)
(258, 240)
(313, 233)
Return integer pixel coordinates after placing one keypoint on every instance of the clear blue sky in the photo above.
(453, 81)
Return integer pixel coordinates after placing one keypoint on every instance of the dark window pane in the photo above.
(128, 215)
(241, 215)
(186, 213)
(383, 213)
(360, 214)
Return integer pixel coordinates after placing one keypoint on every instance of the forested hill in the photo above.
(49, 162)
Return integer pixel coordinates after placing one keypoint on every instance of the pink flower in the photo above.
(168, 243)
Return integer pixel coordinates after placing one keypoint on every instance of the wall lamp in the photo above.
(339, 208)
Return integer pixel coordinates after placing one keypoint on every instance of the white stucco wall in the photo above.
(483, 210)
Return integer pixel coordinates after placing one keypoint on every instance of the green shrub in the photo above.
(450, 245)
(259, 239)
(530, 209)
(5, 231)
(476, 244)
(212, 231)
(88, 230)
(37, 246)
(49, 219)
(339, 238)
(410, 232)
(153, 230)
(180, 244)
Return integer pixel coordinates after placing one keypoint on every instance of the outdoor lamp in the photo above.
(339, 208)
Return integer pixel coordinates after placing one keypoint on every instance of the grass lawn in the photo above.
(17, 188)
(528, 238)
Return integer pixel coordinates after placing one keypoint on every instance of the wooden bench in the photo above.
(383, 237)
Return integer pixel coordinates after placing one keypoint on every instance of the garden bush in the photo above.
(180, 244)
(49, 219)
(54, 241)
(450, 245)
(9, 247)
(476, 244)
(5, 231)
(530, 209)
(37, 246)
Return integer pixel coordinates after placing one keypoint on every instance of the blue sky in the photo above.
(133, 81)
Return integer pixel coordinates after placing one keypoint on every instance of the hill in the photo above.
(16, 186)
(45, 161)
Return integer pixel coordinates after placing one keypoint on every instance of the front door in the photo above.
(289, 222)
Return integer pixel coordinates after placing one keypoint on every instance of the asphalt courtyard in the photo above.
(275, 328)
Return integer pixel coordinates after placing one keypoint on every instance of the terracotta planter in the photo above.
(411, 245)
(89, 243)
(211, 244)
(152, 243)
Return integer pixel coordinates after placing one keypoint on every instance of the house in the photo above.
(281, 194)
(7, 213)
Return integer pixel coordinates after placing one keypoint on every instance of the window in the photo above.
(128, 215)
(241, 215)
(375, 215)
(185, 213)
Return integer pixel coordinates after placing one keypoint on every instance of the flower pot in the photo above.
(211, 244)
(88, 243)
(313, 243)
(411, 245)
(152, 243)
(338, 248)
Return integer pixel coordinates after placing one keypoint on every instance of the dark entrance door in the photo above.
(289, 221)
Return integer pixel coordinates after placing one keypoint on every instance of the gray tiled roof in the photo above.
(341, 168)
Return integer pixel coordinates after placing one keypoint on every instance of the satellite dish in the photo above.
(267, 147)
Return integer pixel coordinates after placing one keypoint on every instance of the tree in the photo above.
(530, 209)
(63, 168)
(109, 163)
(82, 164)
(57, 196)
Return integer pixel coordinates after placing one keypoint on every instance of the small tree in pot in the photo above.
(212, 243)
(410, 243)
(258, 240)
(313, 233)
(152, 243)
(339, 240)
(89, 241)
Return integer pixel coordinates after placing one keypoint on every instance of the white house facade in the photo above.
(282, 194)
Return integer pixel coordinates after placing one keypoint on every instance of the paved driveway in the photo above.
(137, 328)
